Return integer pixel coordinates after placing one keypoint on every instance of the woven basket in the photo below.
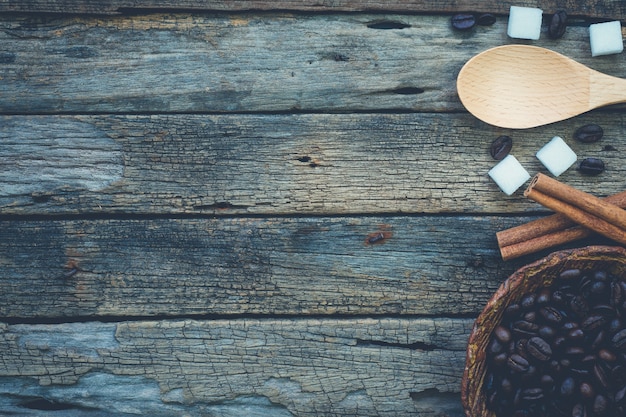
(525, 280)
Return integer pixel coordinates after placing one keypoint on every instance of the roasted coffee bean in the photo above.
(568, 387)
(593, 322)
(559, 298)
(543, 297)
(539, 349)
(575, 351)
(589, 133)
(559, 342)
(601, 276)
(570, 274)
(579, 306)
(495, 347)
(551, 314)
(586, 390)
(506, 385)
(501, 147)
(502, 334)
(606, 355)
(601, 376)
(600, 405)
(619, 339)
(591, 166)
(604, 310)
(598, 340)
(463, 21)
(520, 347)
(528, 301)
(517, 363)
(512, 310)
(570, 325)
(547, 332)
(532, 394)
(576, 334)
(620, 395)
(616, 325)
(524, 327)
(500, 359)
(579, 411)
(486, 19)
(547, 382)
(557, 25)
(616, 294)
(530, 316)
(618, 374)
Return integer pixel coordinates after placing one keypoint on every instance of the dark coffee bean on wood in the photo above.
(557, 25)
(463, 21)
(589, 133)
(486, 19)
(591, 166)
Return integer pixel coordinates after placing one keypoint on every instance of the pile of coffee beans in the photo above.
(561, 351)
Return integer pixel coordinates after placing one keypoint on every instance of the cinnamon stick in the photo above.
(545, 233)
(580, 199)
(583, 208)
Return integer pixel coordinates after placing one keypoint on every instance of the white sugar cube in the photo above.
(556, 156)
(509, 174)
(606, 38)
(524, 22)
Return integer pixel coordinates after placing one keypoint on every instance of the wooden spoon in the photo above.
(521, 86)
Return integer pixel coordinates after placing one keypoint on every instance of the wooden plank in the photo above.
(273, 367)
(246, 62)
(433, 265)
(278, 164)
(613, 9)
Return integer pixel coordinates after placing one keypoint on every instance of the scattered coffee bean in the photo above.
(589, 133)
(561, 350)
(557, 25)
(591, 166)
(501, 147)
(463, 21)
(486, 19)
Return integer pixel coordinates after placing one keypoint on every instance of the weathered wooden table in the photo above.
(256, 208)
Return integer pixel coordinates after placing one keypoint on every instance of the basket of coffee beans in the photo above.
(552, 340)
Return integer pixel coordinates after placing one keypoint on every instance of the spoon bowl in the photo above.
(522, 86)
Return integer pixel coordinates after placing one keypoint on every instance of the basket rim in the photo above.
(470, 385)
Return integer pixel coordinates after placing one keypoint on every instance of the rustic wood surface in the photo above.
(599, 9)
(256, 208)
(281, 62)
(276, 164)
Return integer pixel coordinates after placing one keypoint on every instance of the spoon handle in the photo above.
(605, 89)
